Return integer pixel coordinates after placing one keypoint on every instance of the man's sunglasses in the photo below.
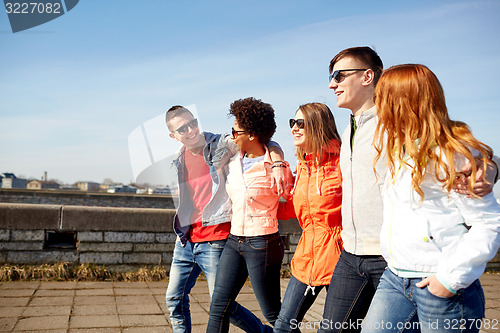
(300, 123)
(184, 129)
(337, 75)
(235, 133)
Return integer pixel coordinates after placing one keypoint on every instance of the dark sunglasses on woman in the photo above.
(300, 123)
(235, 133)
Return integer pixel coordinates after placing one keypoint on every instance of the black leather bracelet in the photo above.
(279, 164)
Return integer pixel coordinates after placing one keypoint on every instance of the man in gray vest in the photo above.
(354, 73)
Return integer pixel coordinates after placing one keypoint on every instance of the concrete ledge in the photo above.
(28, 217)
(91, 219)
(119, 219)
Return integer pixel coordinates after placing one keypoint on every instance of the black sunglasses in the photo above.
(337, 75)
(235, 133)
(300, 123)
(184, 129)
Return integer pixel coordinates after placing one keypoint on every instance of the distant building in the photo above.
(122, 189)
(104, 187)
(35, 185)
(69, 188)
(42, 185)
(162, 190)
(9, 180)
(88, 186)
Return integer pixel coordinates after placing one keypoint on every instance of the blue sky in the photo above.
(73, 89)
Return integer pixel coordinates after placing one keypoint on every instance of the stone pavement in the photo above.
(111, 307)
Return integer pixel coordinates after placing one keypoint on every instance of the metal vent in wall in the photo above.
(60, 240)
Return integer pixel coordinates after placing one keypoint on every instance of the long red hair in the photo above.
(414, 122)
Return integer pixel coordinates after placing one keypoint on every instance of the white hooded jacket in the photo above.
(447, 234)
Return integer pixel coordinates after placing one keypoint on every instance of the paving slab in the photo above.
(42, 323)
(47, 301)
(133, 292)
(61, 330)
(103, 321)
(144, 299)
(158, 291)
(7, 324)
(139, 320)
(94, 310)
(95, 330)
(20, 285)
(95, 292)
(54, 292)
(15, 301)
(94, 285)
(42, 311)
(9, 311)
(58, 285)
(144, 309)
(16, 292)
(150, 329)
(130, 285)
(94, 300)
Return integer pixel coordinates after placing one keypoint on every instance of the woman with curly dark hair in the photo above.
(254, 247)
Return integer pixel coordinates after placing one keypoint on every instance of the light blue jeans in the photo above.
(187, 264)
(397, 300)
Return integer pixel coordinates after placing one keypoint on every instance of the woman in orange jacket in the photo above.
(315, 202)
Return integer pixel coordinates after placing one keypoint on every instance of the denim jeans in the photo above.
(397, 300)
(298, 299)
(257, 257)
(187, 263)
(352, 287)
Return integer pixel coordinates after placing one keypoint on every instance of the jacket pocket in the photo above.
(270, 223)
(331, 189)
(218, 244)
(259, 203)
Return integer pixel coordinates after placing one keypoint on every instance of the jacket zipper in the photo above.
(312, 223)
(352, 196)
(245, 196)
(259, 202)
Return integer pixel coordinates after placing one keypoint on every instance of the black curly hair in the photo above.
(255, 117)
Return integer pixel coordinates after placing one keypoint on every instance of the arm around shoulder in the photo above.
(496, 161)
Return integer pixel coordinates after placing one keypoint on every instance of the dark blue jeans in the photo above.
(298, 299)
(354, 282)
(257, 257)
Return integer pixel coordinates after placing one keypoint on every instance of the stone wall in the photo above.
(79, 198)
(120, 238)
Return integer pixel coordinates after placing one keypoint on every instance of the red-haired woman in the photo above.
(436, 242)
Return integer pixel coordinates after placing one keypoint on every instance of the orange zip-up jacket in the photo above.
(316, 200)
